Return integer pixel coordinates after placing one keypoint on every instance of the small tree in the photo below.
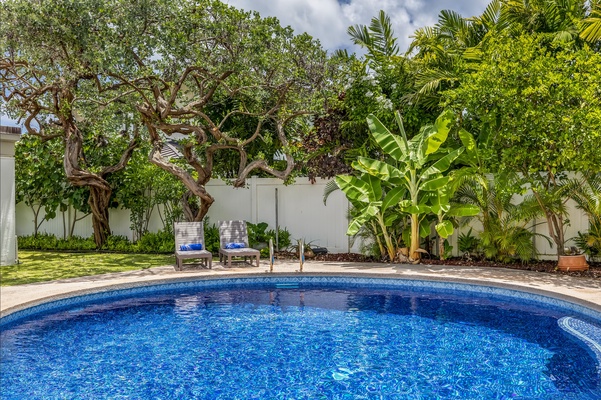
(233, 85)
(39, 179)
(414, 171)
(538, 104)
(54, 55)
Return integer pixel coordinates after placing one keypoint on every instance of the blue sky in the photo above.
(328, 20)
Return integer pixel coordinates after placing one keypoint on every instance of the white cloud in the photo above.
(328, 20)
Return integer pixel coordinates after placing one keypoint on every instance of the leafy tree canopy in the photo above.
(216, 79)
(536, 104)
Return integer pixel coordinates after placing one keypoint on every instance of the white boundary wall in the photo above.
(8, 253)
(8, 242)
(300, 210)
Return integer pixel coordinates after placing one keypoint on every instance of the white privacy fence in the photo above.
(298, 207)
(300, 210)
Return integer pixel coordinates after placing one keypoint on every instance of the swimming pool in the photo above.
(302, 337)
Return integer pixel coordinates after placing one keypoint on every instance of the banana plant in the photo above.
(446, 211)
(371, 200)
(416, 168)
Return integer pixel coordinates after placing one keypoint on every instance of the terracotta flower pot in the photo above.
(572, 263)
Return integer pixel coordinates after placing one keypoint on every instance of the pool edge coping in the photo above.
(167, 280)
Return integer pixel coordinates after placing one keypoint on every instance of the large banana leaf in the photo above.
(375, 187)
(356, 190)
(393, 197)
(463, 210)
(392, 218)
(392, 144)
(424, 230)
(399, 121)
(440, 131)
(445, 229)
(377, 168)
(441, 165)
(410, 208)
(435, 183)
(356, 223)
(440, 201)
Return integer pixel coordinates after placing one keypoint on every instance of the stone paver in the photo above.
(583, 291)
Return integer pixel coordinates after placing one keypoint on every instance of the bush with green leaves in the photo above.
(506, 234)
(257, 233)
(586, 192)
(590, 242)
(119, 244)
(284, 238)
(468, 244)
(156, 242)
(47, 241)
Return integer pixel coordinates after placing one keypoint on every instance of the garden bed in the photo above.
(546, 266)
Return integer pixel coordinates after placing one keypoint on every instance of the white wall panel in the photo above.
(300, 210)
(8, 253)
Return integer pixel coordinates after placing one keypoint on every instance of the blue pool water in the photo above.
(294, 340)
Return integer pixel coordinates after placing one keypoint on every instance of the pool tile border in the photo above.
(343, 280)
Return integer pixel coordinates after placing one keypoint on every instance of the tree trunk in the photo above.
(413, 253)
(99, 204)
(555, 225)
(556, 231)
(441, 252)
(36, 226)
(193, 212)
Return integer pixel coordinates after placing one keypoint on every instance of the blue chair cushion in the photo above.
(235, 245)
(191, 247)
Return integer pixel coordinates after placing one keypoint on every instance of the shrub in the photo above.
(118, 243)
(284, 238)
(211, 237)
(46, 241)
(159, 242)
(468, 243)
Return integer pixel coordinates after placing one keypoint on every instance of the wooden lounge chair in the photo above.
(190, 233)
(235, 232)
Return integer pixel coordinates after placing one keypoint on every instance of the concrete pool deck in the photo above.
(583, 291)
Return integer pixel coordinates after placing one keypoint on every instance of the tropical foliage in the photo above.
(413, 173)
(103, 87)
(229, 83)
(531, 96)
(586, 192)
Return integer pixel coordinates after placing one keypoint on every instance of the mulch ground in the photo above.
(543, 266)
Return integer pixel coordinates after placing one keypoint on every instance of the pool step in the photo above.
(293, 285)
(588, 333)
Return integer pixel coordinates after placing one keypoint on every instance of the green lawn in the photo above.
(40, 266)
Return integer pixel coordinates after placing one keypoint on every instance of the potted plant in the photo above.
(572, 260)
(295, 248)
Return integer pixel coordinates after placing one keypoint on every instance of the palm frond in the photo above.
(383, 35)
(423, 39)
(360, 36)
(329, 188)
(341, 53)
(451, 24)
(590, 28)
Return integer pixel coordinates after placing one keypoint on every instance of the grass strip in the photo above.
(41, 266)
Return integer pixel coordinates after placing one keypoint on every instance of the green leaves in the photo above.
(393, 145)
(471, 147)
(377, 168)
(356, 190)
(442, 165)
(445, 228)
(438, 135)
(415, 178)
